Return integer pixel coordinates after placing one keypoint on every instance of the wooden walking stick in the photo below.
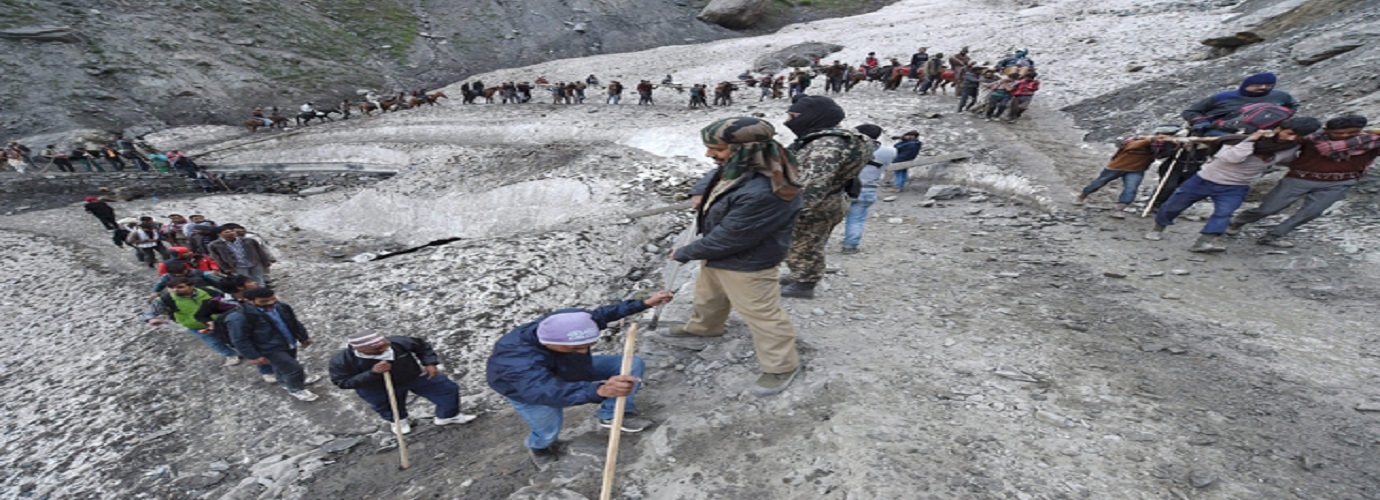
(1164, 179)
(397, 427)
(611, 459)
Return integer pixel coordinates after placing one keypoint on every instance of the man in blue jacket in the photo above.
(544, 366)
(906, 150)
(1257, 88)
(267, 332)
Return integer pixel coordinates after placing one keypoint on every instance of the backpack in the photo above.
(170, 305)
(1253, 117)
(860, 151)
(221, 330)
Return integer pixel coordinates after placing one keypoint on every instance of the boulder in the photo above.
(796, 56)
(944, 192)
(1241, 39)
(1320, 48)
(734, 14)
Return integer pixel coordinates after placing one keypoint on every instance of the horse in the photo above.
(306, 117)
(413, 102)
(368, 108)
(387, 105)
(489, 94)
(946, 78)
(879, 74)
(277, 121)
(436, 96)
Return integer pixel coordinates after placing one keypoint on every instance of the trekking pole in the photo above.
(1164, 179)
(397, 425)
(616, 432)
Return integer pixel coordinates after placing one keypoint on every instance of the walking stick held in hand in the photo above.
(1164, 179)
(611, 459)
(397, 427)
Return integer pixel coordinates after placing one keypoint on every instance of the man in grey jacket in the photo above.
(748, 211)
(237, 255)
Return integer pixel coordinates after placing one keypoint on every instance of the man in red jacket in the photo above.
(1329, 163)
(1022, 95)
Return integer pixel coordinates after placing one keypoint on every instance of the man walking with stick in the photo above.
(412, 365)
(544, 366)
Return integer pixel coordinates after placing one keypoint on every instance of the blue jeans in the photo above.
(215, 343)
(1130, 183)
(857, 216)
(290, 373)
(440, 390)
(899, 177)
(545, 421)
(1225, 200)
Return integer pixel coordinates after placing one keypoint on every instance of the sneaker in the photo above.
(231, 361)
(1080, 199)
(544, 457)
(630, 423)
(270, 378)
(799, 290)
(848, 250)
(678, 337)
(459, 418)
(312, 379)
(1154, 235)
(770, 384)
(1274, 241)
(1234, 229)
(304, 395)
(1207, 243)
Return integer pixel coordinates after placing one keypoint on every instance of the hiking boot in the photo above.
(312, 379)
(231, 361)
(770, 384)
(848, 250)
(270, 378)
(785, 280)
(1207, 243)
(678, 337)
(1234, 229)
(1274, 241)
(304, 395)
(544, 457)
(1155, 234)
(799, 290)
(1080, 199)
(630, 423)
(459, 418)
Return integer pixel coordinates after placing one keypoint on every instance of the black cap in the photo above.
(870, 130)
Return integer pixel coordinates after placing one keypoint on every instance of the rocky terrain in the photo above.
(95, 67)
(991, 340)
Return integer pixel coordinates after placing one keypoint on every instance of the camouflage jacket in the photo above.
(828, 159)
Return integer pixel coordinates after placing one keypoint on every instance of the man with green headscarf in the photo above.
(745, 220)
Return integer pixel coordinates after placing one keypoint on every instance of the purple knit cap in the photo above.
(572, 328)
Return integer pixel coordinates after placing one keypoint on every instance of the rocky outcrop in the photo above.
(1330, 45)
(734, 14)
(41, 34)
(796, 56)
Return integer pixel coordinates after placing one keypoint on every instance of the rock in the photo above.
(1111, 274)
(364, 257)
(889, 198)
(895, 220)
(340, 445)
(1319, 48)
(1170, 296)
(796, 56)
(927, 204)
(1179, 272)
(545, 492)
(580, 28)
(317, 190)
(817, 312)
(1368, 407)
(1053, 419)
(734, 14)
(943, 192)
(243, 41)
(200, 480)
(1200, 478)
(1241, 39)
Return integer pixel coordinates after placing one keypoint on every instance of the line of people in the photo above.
(1233, 138)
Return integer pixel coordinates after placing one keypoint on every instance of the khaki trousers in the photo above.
(757, 298)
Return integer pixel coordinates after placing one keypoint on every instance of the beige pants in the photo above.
(757, 298)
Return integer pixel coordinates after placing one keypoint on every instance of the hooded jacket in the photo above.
(1227, 102)
(747, 228)
(254, 333)
(522, 369)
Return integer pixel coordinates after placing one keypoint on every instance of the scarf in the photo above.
(754, 150)
(1341, 150)
(386, 355)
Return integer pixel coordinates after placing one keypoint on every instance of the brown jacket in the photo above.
(1135, 156)
(221, 253)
